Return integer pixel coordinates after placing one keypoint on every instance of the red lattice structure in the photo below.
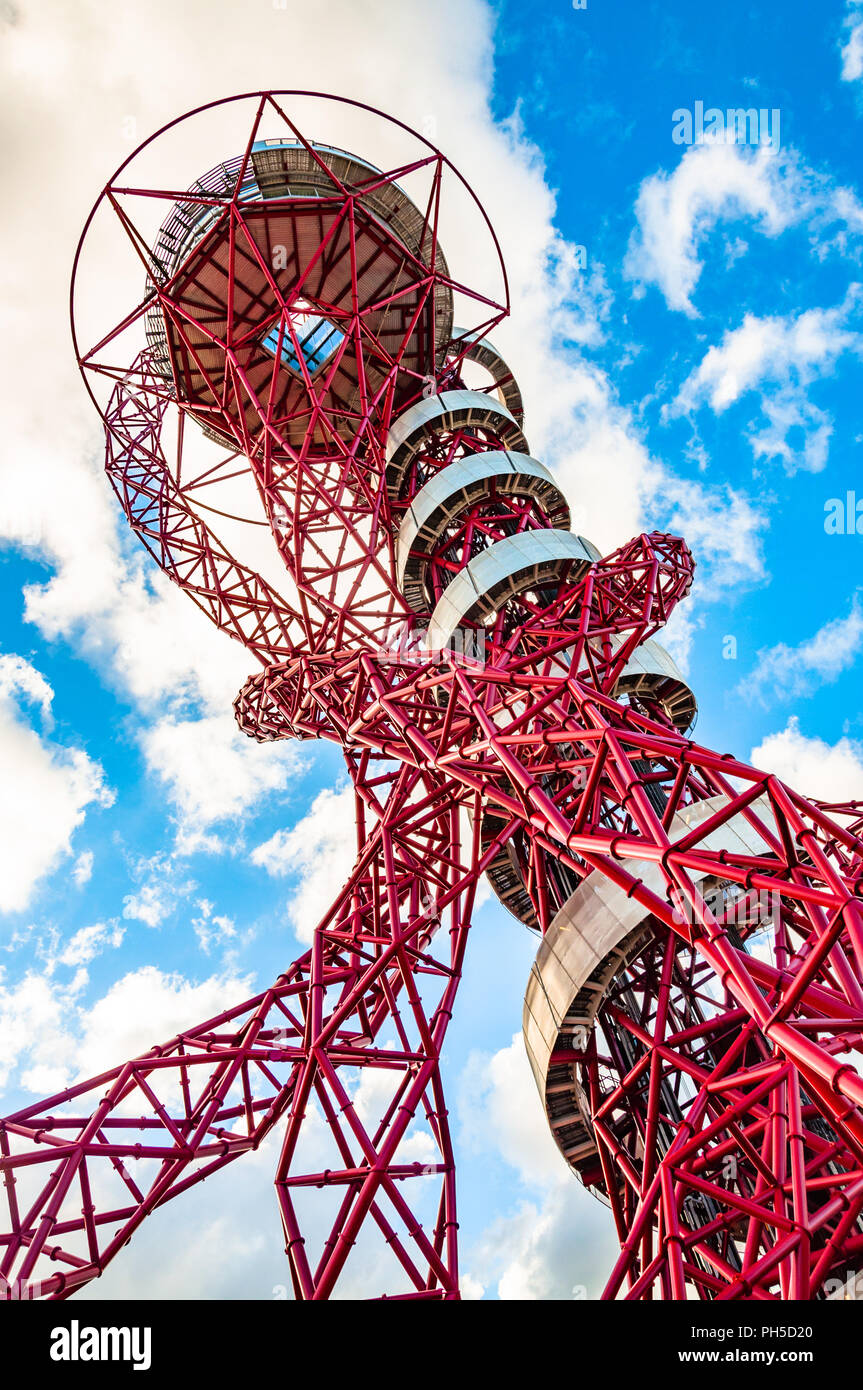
(292, 375)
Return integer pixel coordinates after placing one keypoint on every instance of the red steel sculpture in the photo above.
(695, 1013)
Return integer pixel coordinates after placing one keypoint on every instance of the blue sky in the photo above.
(702, 373)
(595, 90)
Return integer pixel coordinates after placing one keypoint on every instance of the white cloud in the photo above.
(149, 1006)
(21, 682)
(211, 928)
(676, 211)
(49, 787)
(150, 905)
(49, 946)
(82, 870)
(718, 181)
(557, 1241)
(852, 55)
(49, 1037)
(320, 851)
(786, 354)
(678, 636)
(830, 772)
(560, 1248)
(220, 1239)
(784, 672)
(852, 49)
(770, 349)
(212, 773)
(161, 887)
(724, 531)
(34, 1032)
(57, 505)
(89, 942)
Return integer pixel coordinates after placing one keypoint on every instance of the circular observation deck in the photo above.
(219, 296)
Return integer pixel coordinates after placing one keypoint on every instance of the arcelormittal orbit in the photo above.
(310, 429)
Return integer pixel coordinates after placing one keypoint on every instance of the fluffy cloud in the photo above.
(559, 1248)
(676, 211)
(717, 181)
(211, 928)
(212, 773)
(678, 636)
(320, 851)
(852, 49)
(160, 887)
(828, 771)
(557, 1241)
(784, 672)
(41, 1014)
(49, 786)
(785, 354)
(617, 487)
(89, 942)
(34, 1032)
(49, 1037)
(82, 871)
(149, 1006)
(801, 345)
(724, 530)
